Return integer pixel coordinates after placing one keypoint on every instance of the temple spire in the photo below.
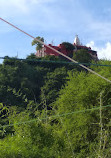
(77, 41)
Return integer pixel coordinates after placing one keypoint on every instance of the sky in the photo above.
(57, 21)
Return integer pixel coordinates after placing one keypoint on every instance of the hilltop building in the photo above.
(77, 46)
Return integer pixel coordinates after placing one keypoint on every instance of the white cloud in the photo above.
(32, 14)
(103, 52)
(18, 7)
(11, 7)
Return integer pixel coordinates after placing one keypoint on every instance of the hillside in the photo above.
(54, 109)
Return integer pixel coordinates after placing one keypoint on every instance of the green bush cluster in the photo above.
(44, 110)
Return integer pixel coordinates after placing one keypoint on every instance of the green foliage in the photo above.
(51, 57)
(68, 46)
(34, 139)
(38, 44)
(82, 56)
(54, 82)
(35, 99)
(83, 92)
(20, 82)
(31, 56)
(11, 61)
(4, 120)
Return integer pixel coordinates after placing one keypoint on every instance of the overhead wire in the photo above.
(67, 134)
(80, 64)
(55, 116)
(53, 61)
(83, 66)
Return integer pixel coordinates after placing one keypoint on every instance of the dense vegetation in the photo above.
(44, 110)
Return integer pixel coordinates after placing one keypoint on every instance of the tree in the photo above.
(53, 83)
(31, 56)
(68, 46)
(82, 56)
(38, 44)
(51, 57)
(31, 139)
(82, 92)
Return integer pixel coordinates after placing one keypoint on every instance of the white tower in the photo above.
(77, 41)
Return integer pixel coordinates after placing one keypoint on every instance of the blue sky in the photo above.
(57, 21)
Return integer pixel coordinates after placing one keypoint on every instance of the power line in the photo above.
(55, 116)
(54, 61)
(67, 134)
(56, 50)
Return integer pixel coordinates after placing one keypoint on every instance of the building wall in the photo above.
(61, 48)
(47, 51)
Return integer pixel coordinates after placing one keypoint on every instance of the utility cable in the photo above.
(54, 61)
(68, 138)
(56, 50)
(54, 116)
